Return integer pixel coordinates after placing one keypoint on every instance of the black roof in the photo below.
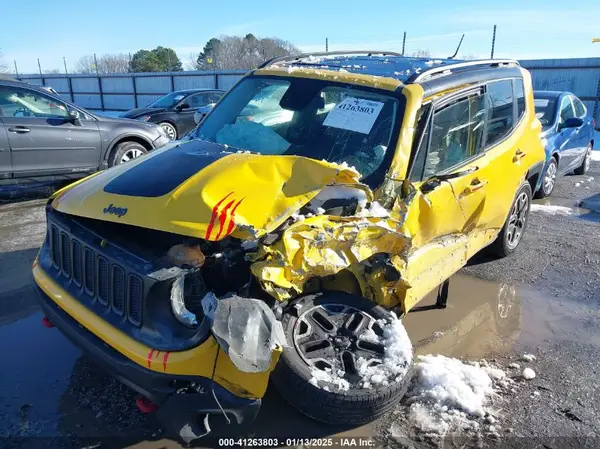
(434, 74)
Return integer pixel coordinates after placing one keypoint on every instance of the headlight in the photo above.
(181, 313)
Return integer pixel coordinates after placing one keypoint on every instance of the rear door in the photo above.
(43, 138)
(586, 132)
(185, 117)
(6, 170)
(567, 139)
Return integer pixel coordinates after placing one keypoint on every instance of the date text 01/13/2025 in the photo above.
(307, 442)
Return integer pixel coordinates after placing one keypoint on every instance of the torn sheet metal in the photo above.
(248, 331)
(324, 245)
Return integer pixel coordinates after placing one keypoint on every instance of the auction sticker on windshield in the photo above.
(354, 114)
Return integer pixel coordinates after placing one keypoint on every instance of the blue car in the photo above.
(567, 135)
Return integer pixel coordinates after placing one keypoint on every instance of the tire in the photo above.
(585, 164)
(169, 129)
(124, 152)
(549, 181)
(357, 405)
(507, 241)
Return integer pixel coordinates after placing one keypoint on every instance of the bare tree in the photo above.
(52, 72)
(235, 52)
(108, 63)
(421, 53)
(3, 65)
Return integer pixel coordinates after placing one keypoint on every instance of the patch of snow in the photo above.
(596, 155)
(449, 395)
(331, 377)
(577, 184)
(528, 357)
(514, 366)
(320, 211)
(552, 210)
(590, 179)
(536, 393)
(397, 356)
(338, 192)
(528, 374)
(374, 210)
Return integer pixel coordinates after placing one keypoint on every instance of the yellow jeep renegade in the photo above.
(321, 193)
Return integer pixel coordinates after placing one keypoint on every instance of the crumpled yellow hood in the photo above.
(196, 189)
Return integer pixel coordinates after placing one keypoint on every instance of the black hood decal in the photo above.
(160, 174)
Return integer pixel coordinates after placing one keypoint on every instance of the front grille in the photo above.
(102, 281)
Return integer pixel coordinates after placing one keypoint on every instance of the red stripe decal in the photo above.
(165, 358)
(150, 358)
(213, 217)
(232, 223)
(223, 217)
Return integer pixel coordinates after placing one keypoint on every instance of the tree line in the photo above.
(223, 53)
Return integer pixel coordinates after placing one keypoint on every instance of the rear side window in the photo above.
(520, 96)
(500, 105)
(566, 110)
(580, 110)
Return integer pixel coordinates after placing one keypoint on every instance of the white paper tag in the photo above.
(354, 114)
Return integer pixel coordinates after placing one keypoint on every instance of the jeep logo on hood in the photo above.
(114, 210)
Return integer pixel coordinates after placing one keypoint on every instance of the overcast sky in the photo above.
(526, 29)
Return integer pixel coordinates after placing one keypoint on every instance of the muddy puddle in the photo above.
(47, 388)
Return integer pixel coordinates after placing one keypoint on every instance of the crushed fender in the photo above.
(370, 244)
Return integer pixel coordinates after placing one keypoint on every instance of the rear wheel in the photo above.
(549, 180)
(319, 373)
(169, 129)
(585, 164)
(511, 234)
(124, 152)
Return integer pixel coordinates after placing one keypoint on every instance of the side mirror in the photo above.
(75, 117)
(572, 122)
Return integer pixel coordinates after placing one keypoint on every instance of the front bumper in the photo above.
(183, 400)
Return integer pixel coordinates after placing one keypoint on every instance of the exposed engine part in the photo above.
(183, 315)
(186, 256)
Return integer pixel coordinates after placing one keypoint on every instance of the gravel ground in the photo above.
(55, 397)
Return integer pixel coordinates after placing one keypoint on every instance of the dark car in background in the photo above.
(175, 111)
(43, 136)
(567, 135)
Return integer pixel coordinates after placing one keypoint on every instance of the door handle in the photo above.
(519, 155)
(19, 130)
(475, 185)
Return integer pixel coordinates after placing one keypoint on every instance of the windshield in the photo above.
(305, 117)
(168, 100)
(545, 110)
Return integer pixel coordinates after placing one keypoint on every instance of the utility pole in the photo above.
(65, 63)
(403, 43)
(16, 68)
(493, 43)
(326, 44)
(39, 66)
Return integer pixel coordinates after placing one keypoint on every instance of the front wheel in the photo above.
(124, 152)
(349, 360)
(169, 130)
(585, 164)
(549, 180)
(512, 232)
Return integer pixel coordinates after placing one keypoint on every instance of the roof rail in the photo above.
(298, 58)
(419, 77)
